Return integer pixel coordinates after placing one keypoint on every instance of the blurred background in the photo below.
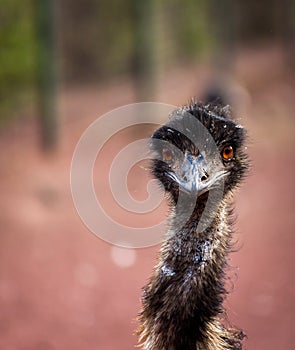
(62, 65)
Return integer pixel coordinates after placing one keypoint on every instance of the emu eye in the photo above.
(227, 153)
(167, 154)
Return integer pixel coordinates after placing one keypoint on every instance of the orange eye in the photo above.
(227, 153)
(167, 154)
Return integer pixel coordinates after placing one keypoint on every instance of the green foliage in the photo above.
(16, 55)
(98, 40)
(189, 25)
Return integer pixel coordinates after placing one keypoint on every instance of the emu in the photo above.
(200, 160)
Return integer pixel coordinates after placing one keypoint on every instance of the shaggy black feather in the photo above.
(182, 303)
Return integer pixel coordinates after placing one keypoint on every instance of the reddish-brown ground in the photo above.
(61, 287)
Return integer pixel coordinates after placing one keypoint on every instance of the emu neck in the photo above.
(185, 294)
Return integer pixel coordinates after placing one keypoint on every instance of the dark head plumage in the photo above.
(200, 146)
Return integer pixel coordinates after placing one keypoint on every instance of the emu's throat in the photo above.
(186, 291)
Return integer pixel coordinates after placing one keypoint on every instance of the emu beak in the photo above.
(195, 176)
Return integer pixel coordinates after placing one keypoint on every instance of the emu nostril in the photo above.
(204, 177)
